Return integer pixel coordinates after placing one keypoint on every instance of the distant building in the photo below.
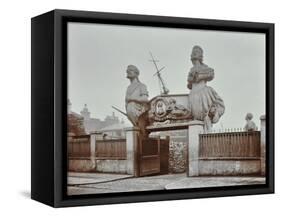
(83, 123)
(95, 124)
(114, 131)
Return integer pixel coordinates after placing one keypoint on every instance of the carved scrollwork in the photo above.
(166, 108)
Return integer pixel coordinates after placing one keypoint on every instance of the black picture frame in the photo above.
(49, 107)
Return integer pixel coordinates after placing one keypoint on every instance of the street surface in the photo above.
(96, 183)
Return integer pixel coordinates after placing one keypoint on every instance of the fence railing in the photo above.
(79, 147)
(230, 145)
(113, 149)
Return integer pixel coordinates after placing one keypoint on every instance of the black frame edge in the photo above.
(42, 103)
(165, 21)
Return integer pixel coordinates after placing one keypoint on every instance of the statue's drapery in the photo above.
(204, 102)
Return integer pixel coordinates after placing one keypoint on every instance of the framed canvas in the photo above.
(134, 108)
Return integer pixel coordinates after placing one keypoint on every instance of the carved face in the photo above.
(196, 55)
(195, 61)
(249, 116)
(131, 74)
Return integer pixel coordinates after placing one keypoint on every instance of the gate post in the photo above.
(132, 140)
(194, 129)
(94, 136)
(262, 147)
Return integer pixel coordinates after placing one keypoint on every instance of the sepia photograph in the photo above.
(157, 108)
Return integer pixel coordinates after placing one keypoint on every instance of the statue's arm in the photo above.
(141, 98)
(191, 75)
(206, 75)
(190, 79)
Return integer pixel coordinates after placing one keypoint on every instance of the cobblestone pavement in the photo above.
(95, 183)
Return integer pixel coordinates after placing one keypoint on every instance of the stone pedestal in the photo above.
(132, 139)
(94, 136)
(263, 144)
(194, 129)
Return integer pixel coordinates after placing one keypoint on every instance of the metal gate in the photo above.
(149, 158)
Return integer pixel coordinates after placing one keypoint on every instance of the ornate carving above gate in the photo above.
(169, 109)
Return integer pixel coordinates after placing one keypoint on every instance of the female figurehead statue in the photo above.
(205, 104)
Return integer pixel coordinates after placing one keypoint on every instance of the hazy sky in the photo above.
(99, 54)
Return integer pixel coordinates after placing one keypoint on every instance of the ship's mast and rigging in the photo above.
(163, 89)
